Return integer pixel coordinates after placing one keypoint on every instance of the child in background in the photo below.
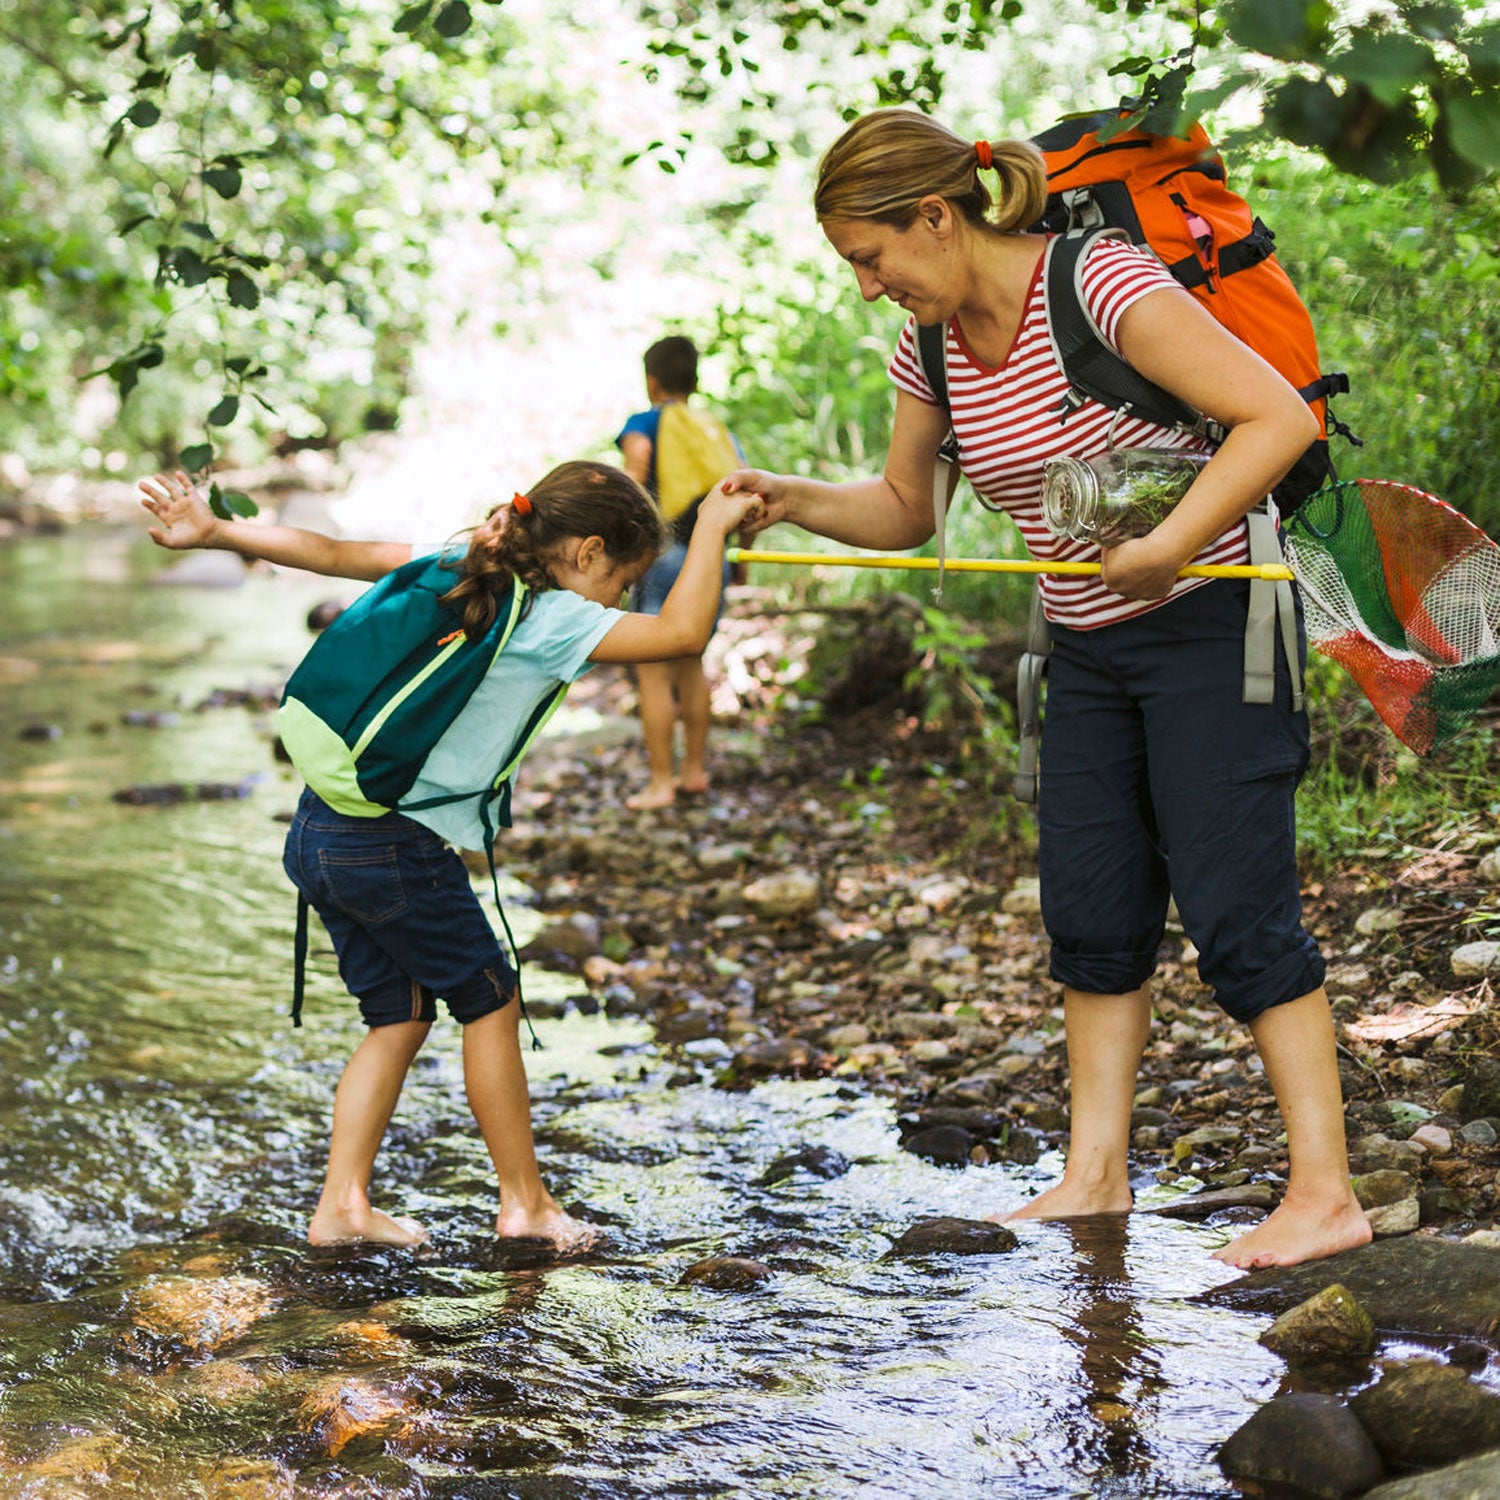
(673, 690)
(396, 899)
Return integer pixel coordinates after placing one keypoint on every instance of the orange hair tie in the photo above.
(520, 504)
(985, 155)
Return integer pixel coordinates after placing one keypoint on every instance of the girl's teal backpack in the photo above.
(378, 690)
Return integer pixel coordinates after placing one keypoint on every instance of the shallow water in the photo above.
(164, 1130)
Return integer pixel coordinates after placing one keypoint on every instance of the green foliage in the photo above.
(1367, 796)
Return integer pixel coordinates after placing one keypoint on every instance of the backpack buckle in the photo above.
(1083, 209)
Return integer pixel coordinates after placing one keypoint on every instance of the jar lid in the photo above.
(1070, 497)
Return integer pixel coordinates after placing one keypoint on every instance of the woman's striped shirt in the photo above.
(1007, 422)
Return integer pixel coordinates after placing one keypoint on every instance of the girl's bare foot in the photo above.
(1297, 1231)
(653, 799)
(368, 1225)
(566, 1234)
(693, 783)
(1069, 1201)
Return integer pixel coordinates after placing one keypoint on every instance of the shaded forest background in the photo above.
(232, 233)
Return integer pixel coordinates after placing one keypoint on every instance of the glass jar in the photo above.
(1121, 494)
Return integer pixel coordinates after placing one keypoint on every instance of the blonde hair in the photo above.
(887, 161)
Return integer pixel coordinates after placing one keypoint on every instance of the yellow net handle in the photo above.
(987, 564)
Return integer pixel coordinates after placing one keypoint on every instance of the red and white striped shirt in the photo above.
(1006, 421)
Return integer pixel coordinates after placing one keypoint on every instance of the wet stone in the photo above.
(1388, 1219)
(1312, 1442)
(1422, 1414)
(1471, 1479)
(817, 1161)
(948, 1236)
(947, 1145)
(1197, 1206)
(1329, 1325)
(726, 1273)
(780, 1058)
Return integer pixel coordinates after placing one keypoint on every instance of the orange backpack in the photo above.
(1170, 195)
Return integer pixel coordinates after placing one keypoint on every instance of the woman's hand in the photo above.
(771, 491)
(175, 501)
(1140, 568)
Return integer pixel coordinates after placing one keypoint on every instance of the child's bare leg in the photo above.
(695, 705)
(1319, 1215)
(1106, 1037)
(495, 1079)
(653, 681)
(362, 1108)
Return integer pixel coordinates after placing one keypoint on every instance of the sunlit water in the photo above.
(164, 1128)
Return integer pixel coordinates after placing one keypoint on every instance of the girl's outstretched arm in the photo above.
(686, 621)
(185, 521)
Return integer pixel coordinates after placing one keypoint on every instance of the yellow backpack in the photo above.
(693, 449)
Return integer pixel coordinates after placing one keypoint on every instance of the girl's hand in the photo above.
(1139, 568)
(769, 489)
(727, 510)
(186, 520)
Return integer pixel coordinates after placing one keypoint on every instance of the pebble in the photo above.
(1433, 1138)
(1478, 1133)
(1391, 1219)
(1476, 960)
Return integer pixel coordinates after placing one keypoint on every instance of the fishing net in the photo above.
(1404, 593)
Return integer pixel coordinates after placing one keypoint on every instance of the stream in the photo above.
(164, 1330)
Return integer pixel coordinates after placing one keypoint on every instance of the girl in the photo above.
(395, 898)
(1157, 780)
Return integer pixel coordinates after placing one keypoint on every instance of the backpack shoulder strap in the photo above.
(1093, 369)
(932, 355)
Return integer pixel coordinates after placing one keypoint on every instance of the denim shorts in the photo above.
(1158, 781)
(651, 592)
(404, 919)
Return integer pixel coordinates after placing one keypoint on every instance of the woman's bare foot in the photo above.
(693, 784)
(368, 1226)
(1069, 1201)
(653, 798)
(566, 1234)
(1297, 1231)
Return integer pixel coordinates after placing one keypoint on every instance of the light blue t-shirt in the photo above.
(550, 646)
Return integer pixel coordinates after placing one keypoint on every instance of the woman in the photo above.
(1157, 780)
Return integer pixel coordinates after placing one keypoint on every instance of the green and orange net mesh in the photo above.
(1403, 592)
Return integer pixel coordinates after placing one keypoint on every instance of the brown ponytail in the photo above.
(575, 500)
(887, 161)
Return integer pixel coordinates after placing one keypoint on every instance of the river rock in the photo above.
(843, 1037)
(948, 1236)
(1388, 1219)
(721, 859)
(1329, 1325)
(1024, 898)
(177, 1317)
(1475, 960)
(787, 896)
(1421, 1414)
(1481, 1133)
(1373, 1189)
(344, 1408)
(818, 1161)
(916, 1025)
(1481, 1085)
(249, 1479)
(1473, 1479)
(1200, 1205)
(567, 943)
(1411, 1285)
(947, 1145)
(1312, 1442)
(726, 1273)
(1379, 1152)
(1435, 1140)
(782, 1057)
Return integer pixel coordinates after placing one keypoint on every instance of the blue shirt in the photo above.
(550, 646)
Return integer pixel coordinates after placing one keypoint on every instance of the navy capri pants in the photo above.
(1159, 781)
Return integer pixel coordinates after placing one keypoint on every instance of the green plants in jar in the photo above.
(1123, 493)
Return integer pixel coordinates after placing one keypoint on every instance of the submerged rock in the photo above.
(1329, 1325)
(1312, 1442)
(1411, 1285)
(1422, 1414)
(818, 1161)
(1213, 1200)
(948, 1236)
(185, 1317)
(343, 1409)
(726, 1273)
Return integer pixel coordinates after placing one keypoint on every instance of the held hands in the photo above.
(727, 510)
(186, 521)
(769, 490)
(1139, 569)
